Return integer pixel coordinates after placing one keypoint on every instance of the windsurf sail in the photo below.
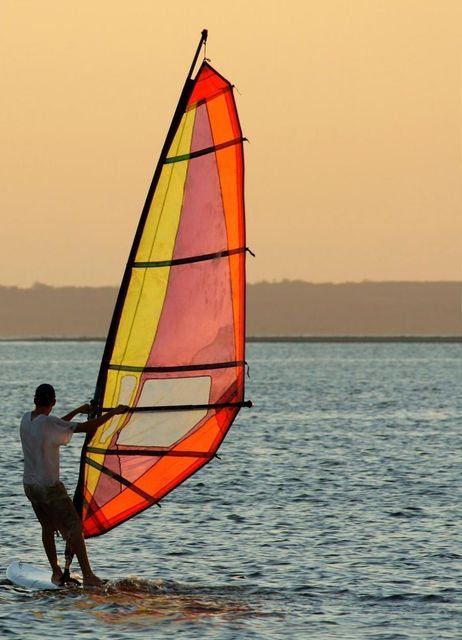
(175, 349)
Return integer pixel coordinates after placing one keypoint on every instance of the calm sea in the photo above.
(334, 512)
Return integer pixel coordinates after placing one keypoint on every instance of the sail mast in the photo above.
(184, 97)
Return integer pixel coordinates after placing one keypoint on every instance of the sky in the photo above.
(352, 108)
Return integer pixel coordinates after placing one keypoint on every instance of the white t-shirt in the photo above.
(41, 438)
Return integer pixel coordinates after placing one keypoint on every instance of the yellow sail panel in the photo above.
(140, 316)
(146, 292)
(158, 238)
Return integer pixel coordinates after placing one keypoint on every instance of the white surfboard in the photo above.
(29, 576)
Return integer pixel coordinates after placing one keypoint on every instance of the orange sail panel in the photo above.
(176, 353)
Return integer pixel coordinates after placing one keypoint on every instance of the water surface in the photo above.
(334, 511)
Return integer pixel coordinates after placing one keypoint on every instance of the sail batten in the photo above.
(203, 152)
(199, 258)
(186, 367)
(175, 350)
(151, 452)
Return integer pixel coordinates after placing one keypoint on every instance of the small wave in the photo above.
(407, 597)
(142, 587)
(138, 601)
(408, 512)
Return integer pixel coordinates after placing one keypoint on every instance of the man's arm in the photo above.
(85, 408)
(91, 425)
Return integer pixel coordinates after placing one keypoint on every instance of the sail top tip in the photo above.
(205, 33)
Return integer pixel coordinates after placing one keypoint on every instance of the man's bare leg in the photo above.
(68, 557)
(77, 544)
(48, 539)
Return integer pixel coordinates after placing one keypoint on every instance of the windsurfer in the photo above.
(41, 436)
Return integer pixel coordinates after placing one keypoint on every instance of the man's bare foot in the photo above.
(57, 577)
(92, 581)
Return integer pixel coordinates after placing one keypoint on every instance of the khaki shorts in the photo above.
(54, 509)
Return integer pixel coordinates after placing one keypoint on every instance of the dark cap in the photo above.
(44, 395)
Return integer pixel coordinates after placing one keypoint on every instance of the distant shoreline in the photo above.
(280, 312)
(272, 339)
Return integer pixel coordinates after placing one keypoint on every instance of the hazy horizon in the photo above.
(259, 282)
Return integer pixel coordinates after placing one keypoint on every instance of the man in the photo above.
(41, 437)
